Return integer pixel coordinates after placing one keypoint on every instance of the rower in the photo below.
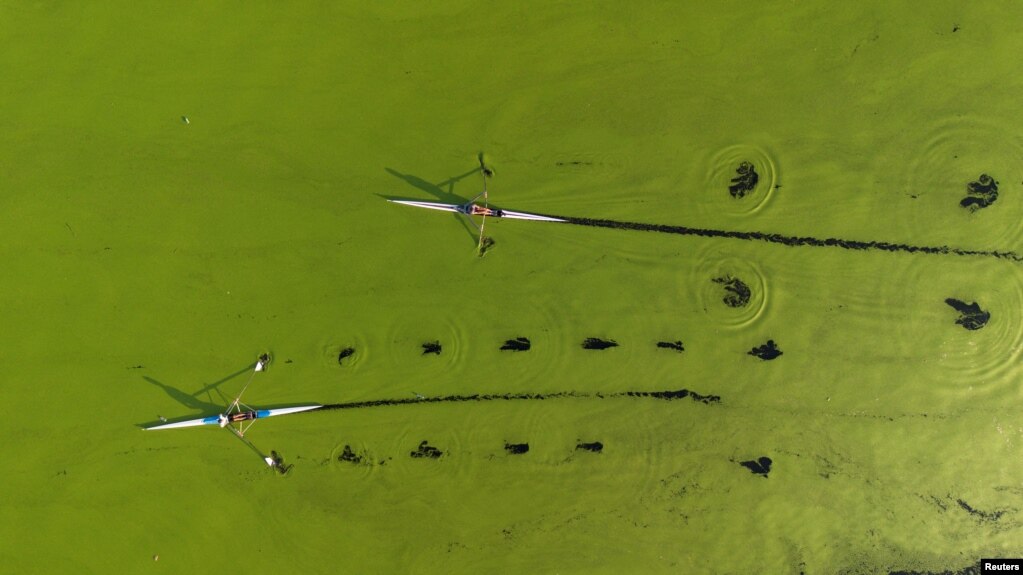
(225, 418)
(475, 210)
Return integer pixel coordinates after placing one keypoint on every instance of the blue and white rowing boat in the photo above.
(225, 419)
(239, 420)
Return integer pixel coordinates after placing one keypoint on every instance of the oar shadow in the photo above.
(436, 190)
(193, 401)
(209, 388)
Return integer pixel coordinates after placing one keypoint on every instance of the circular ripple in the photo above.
(956, 152)
(456, 460)
(405, 340)
(986, 360)
(730, 289)
(331, 350)
(740, 180)
(368, 460)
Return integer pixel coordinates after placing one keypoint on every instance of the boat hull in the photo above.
(509, 214)
(215, 419)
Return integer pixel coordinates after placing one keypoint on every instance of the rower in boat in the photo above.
(238, 418)
(227, 418)
(472, 209)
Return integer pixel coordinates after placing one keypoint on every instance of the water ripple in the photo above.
(730, 288)
(740, 180)
(985, 361)
(958, 151)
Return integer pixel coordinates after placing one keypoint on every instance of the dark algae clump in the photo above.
(745, 180)
(982, 515)
(762, 466)
(346, 352)
(595, 447)
(517, 344)
(426, 451)
(766, 352)
(349, 456)
(597, 343)
(980, 194)
(970, 315)
(516, 448)
(431, 347)
(675, 345)
(737, 293)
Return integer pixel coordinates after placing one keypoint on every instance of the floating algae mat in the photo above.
(780, 332)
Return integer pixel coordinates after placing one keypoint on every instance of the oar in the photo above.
(486, 201)
(269, 461)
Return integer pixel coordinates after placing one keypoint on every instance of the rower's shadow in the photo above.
(202, 401)
(438, 191)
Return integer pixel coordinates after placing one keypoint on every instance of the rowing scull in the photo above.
(227, 418)
(471, 209)
(244, 418)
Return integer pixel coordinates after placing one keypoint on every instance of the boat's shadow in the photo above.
(202, 402)
(439, 192)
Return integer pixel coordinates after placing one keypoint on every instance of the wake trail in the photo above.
(662, 395)
(793, 241)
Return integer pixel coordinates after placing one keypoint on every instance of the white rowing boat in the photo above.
(472, 209)
(239, 420)
(225, 419)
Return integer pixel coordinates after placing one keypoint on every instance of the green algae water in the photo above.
(189, 185)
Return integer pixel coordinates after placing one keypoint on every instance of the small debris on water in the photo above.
(597, 343)
(517, 344)
(516, 448)
(766, 352)
(349, 456)
(980, 194)
(737, 293)
(971, 317)
(184, 119)
(745, 180)
(675, 345)
(426, 450)
(595, 447)
(156, 557)
(762, 466)
(346, 352)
